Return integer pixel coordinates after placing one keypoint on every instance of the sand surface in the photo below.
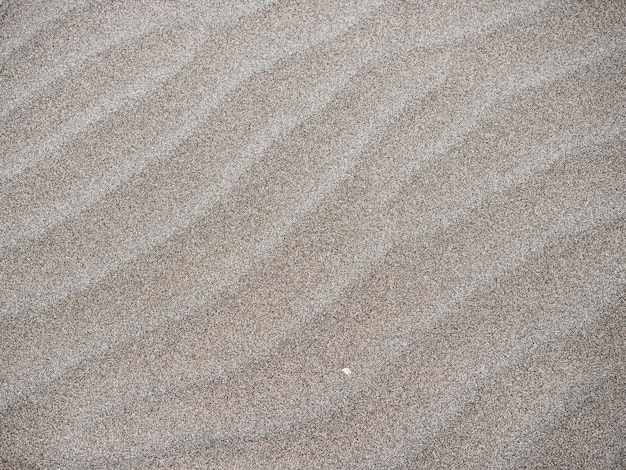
(312, 234)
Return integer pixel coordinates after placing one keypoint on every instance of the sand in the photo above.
(312, 234)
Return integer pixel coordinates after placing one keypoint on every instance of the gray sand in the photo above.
(312, 234)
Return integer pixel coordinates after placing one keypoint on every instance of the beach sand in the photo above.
(312, 234)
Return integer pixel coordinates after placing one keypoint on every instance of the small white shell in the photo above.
(346, 371)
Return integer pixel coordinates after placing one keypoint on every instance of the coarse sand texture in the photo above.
(312, 234)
